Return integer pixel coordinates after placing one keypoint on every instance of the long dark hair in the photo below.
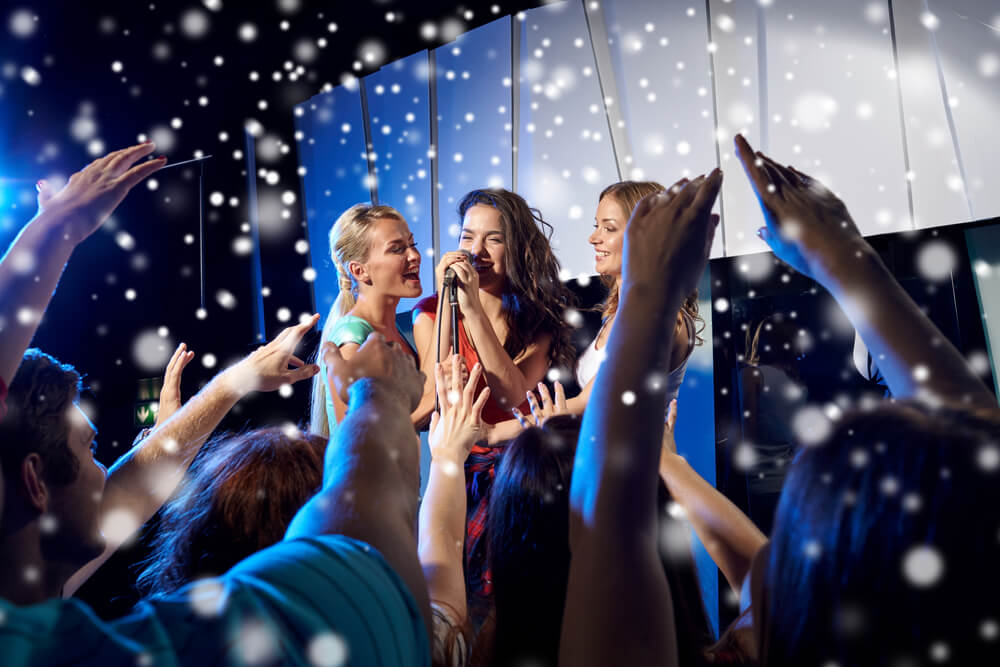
(534, 299)
(527, 535)
(886, 540)
(238, 498)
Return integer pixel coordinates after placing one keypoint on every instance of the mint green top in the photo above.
(348, 329)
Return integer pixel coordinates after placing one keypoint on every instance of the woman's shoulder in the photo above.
(350, 329)
(426, 305)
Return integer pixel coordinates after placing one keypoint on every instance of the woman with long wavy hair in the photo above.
(512, 307)
(614, 208)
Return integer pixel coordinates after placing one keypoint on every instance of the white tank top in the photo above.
(592, 358)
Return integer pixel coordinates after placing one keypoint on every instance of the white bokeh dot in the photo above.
(923, 566)
(327, 650)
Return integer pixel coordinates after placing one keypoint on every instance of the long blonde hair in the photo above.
(628, 194)
(350, 241)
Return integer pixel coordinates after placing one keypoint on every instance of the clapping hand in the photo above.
(807, 226)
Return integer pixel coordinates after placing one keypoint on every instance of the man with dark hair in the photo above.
(54, 485)
(39, 399)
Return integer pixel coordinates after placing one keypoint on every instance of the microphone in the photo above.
(449, 274)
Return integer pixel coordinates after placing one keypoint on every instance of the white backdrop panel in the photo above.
(833, 105)
(564, 157)
(938, 197)
(968, 39)
(660, 57)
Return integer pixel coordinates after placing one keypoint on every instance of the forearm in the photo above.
(912, 353)
(729, 536)
(442, 534)
(614, 482)
(371, 480)
(369, 456)
(507, 383)
(29, 273)
(147, 475)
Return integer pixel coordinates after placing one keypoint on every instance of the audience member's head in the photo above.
(519, 262)
(238, 498)
(52, 483)
(528, 553)
(886, 543)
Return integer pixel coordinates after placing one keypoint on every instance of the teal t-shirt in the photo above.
(348, 329)
(328, 600)
(351, 329)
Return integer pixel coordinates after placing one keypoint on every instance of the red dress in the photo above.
(493, 412)
(480, 470)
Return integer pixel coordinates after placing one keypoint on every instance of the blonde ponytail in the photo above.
(350, 241)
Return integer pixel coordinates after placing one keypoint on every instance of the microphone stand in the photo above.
(453, 303)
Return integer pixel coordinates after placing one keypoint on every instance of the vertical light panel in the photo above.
(473, 77)
(399, 117)
(332, 152)
(984, 255)
(740, 104)
(659, 51)
(564, 156)
(833, 106)
(967, 35)
(695, 434)
(934, 174)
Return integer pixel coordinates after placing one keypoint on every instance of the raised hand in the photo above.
(543, 407)
(170, 392)
(807, 226)
(669, 237)
(94, 192)
(267, 367)
(385, 363)
(459, 424)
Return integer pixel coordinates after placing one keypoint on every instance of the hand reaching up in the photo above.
(807, 226)
(543, 407)
(385, 363)
(669, 236)
(267, 367)
(459, 424)
(94, 192)
(170, 392)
